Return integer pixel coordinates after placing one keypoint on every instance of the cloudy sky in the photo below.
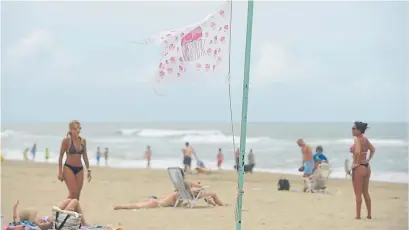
(311, 61)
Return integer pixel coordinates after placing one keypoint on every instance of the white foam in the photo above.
(172, 133)
(8, 133)
(219, 138)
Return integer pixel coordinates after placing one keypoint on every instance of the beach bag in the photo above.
(283, 185)
(66, 220)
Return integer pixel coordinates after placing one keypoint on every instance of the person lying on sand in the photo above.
(152, 202)
(46, 222)
(201, 168)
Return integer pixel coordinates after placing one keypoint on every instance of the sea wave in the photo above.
(200, 137)
(166, 132)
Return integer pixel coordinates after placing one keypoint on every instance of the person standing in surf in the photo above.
(251, 160)
(34, 151)
(106, 156)
(187, 157)
(148, 155)
(361, 170)
(219, 159)
(98, 155)
(73, 171)
(236, 157)
(307, 160)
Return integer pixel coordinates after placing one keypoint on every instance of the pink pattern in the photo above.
(202, 47)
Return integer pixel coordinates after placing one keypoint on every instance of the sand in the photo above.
(36, 186)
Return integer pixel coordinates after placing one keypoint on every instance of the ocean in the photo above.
(273, 144)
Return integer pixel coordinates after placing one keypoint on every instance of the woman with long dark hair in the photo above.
(361, 170)
(73, 172)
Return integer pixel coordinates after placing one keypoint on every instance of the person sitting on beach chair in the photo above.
(198, 191)
(27, 216)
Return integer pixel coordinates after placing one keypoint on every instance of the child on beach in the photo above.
(219, 158)
(47, 154)
(25, 153)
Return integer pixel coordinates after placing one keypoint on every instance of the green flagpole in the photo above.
(243, 132)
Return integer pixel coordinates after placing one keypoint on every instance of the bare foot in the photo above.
(358, 218)
(369, 217)
(116, 208)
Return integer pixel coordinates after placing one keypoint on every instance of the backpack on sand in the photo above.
(283, 185)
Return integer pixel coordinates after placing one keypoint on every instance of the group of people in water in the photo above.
(72, 172)
(189, 153)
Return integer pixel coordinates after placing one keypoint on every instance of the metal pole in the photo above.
(243, 132)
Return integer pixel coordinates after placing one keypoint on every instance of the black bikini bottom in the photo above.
(365, 164)
(74, 169)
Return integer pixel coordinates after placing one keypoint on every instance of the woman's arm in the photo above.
(15, 206)
(194, 184)
(357, 151)
(85, 155)
(63, 149)
(371, 150)
(44, 226)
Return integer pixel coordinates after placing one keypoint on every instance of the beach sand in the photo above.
(36, 186)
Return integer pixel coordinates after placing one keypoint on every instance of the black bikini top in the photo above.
(73, 150)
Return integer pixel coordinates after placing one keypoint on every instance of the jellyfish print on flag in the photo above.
(201, 47)
(193, 45)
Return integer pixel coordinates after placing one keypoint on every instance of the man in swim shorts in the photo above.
(187, 157)
(307, 159)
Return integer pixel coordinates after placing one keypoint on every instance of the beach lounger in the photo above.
(185, 194)
(318, 181)
(66, 220)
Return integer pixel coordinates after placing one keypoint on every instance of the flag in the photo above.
(199, 47)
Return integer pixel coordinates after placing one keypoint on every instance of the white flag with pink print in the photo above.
(200, 47)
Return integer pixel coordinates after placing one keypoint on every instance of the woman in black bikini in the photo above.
(73, 172)
(361, 170)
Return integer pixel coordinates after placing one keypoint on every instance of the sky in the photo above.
(310, 62)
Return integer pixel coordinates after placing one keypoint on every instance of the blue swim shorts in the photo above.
(308, 167)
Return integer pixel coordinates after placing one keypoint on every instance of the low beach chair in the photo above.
(66, 220)
(185, 193)
(347, 167)
(318, 180)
